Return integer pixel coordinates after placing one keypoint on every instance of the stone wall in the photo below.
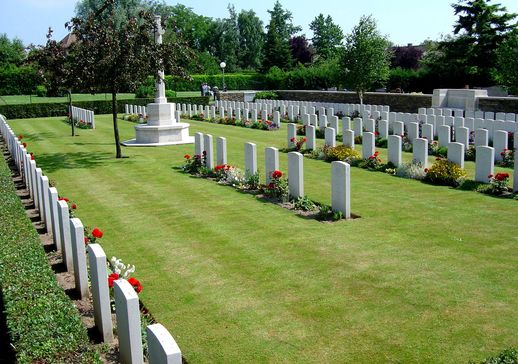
(397, 102)
(232, 96)
(498, 104)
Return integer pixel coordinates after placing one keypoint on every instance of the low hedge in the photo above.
(43, 324)
(25, 111)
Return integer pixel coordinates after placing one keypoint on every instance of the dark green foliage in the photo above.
(327, 36)
(234, 81)
(43, 323)
(507, 63)
(508, 356)
(365, 58)
(268, 95)
(99, 107)
(16, 80)
(280, 29)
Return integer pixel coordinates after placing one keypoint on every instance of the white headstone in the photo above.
(383, 128)
(162, 347)
(208, 148)
(198, 143)
(296, 174)
(358, 126)
(427, 130)
(79, 257)
(53, 202)
(369, 125)
(444, 135)
(271, 162)
(398, 128)
(330, 137)
(368, 145)
(413, 131)
(341, 188)
(456, 153)
(128, 323)
(481, 138)
(346, 123)
(499, 143)
(292, 135)
(221, 150)
(66, 239)
(46, 203)
(310, 137)
(484, 163)
(394, 149)
(348, 138)
(462, 136)
(250, 159)
(100, 291)
(420, 151)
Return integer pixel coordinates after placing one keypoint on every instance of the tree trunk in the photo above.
(115, 127)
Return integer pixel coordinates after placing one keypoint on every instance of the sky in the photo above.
(402, 21)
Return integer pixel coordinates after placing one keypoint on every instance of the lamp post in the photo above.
(223, 65)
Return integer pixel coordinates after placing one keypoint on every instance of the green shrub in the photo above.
(170, 94)
(41, 91)
(145, 91)
(340, 153)
(18, 80)
(43, 323)
(269, 95)
(412, 170)
(508, 356)
(444, 172)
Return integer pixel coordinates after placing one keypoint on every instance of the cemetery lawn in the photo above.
(428, 274)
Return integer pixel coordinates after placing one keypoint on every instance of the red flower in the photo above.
(276, 174)
(372, 157)
(501, 176)
(271, 185)
(136, 284)
(112, 278)
(304, 139)
(74, 206)
(86, 240)
(426, 170)
(96, 233)
(63, 199)
(32, 156)
(24, 145)
(187, 156)
(490, 176)
(502, 154)
(292, 140)
(376, 153)
(20, 136)
(376, 133)
(221, 167)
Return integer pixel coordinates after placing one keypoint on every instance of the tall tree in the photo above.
(301, 51)
(327, 36)
(482, 27)
(507, 63)
(365, 59)
(11, 51)
(406, 57)
(251, 40)
(280, 30)
(113, 55)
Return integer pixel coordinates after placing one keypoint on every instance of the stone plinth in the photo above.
(161, 129)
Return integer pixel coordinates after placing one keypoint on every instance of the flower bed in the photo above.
(259, 124)
(276, 191)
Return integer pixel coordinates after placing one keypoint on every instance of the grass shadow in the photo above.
(77, 160)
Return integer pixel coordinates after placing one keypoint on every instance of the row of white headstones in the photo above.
(130, 109)
(485, 155)
(68, 236)
(430, 130)
(340, 171)
(86, 116)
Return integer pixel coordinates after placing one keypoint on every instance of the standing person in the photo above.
(202, 89)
